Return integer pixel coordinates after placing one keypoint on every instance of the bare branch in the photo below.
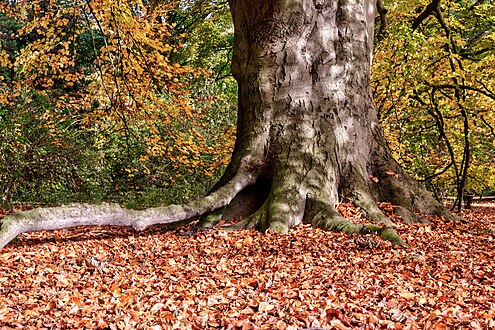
(488, 93)
(430, 9)
(382, 12)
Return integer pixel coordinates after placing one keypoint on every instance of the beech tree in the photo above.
(307, 133)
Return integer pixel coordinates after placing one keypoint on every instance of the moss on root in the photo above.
(386, 233)
(279, 227)
(324, 216)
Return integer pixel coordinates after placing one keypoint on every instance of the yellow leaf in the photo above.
(406, 294)
(265, 307)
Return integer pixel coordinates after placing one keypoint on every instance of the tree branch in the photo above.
(486, 93)
(430, 9)
(478, 37)
(382, 12)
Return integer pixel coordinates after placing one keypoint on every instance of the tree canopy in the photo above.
(117, 87)
(125, 78)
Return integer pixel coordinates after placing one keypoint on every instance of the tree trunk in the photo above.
(307, 132)
(307, 124)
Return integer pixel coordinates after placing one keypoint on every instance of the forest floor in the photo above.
(116, 278)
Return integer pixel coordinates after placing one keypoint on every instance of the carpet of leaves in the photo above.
(115, 278)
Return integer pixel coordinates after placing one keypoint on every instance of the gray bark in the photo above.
(307, 132)
(113, 215)
(306, 115)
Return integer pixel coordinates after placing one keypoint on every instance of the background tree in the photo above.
(434, 90)
(97, 103)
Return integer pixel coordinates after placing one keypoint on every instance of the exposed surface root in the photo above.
(320, 215)
(411, 198)
(409, 216)
(324, 216)
(370, 209)
(257, 220)
(113, 215)
(248, 196)
(244, 204)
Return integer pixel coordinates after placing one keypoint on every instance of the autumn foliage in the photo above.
(435, 92)
(101, 79)
(102, 97)
(97, 80)
(116, 278)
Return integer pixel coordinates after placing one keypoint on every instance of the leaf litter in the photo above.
(116, 278)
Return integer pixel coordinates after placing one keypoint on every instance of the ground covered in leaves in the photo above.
(115, 278)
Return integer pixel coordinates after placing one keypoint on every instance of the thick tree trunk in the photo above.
(307, 134)
(306, 118)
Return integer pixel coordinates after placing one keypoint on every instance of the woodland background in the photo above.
(133, 102)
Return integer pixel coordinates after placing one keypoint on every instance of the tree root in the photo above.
(264, 206)
(113, 215)
(324, 216)
(409, 216)
(370, 209)
(409, 198)
(244, 204)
